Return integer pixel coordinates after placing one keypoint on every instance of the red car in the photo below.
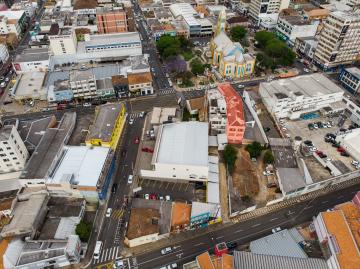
(136, 140)
(153, 196)
(340, 149)
(319, 152)
(147, 150)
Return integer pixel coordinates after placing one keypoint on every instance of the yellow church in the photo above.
(229, 56)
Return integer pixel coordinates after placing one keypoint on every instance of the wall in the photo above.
(23, 67)
(142, 240)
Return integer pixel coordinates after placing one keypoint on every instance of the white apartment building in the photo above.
(291, 27)
(217, 111)
(293, 97)
(4, 54)
(63, 43)
(258, 7)
(10, 22)
(83, 84)
(13, 152)
(306, 46)
(339, 40)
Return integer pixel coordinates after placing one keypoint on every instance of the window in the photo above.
(12, 153)
(5, 143)
(8, 148)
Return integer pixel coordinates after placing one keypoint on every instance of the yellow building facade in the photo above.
(108, 125)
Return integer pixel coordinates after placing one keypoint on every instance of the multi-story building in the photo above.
(339, 40)
(60, 92)
(217, 111)
(64, 42)
(293, 97)
(290, 27)
(108, 125)
(306, 46)
(140, 83)
(28, 6)
(32, 60)
(13, 152)
(350, 79)
(259, 7)
(4, 54)
(12, 22)
(111, 21)
(83, 84)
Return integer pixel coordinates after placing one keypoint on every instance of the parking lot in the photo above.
(317, 136)
(177, 191)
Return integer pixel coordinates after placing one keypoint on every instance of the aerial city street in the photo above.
(143, 134)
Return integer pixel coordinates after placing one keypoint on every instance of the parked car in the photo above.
(267, 129)
(114, 188)
(353, 162)
(108, 212)
(153, 196)
(87, 105)
(167, 198)
(131, 121)
(136, 140)
(146, 196)
(130, 179)
(276, 230)
(231, 245)
(166, 250)
(345, 154)
(3, 84)
(142, 114)
(340, 149)
(118, 264)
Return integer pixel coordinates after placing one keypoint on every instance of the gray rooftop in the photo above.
(108, 39)
(354, 71)
(295, 20)
(183, 143)
(31, 55)
(51, 143)
(279, 244)
(307, 85)
(105, 83)
(5, 132)
(249, 260)
(104, 122)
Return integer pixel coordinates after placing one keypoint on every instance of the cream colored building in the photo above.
(258, 7)
(339, 40)
(63, 43)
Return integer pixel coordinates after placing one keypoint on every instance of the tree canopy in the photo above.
(197, 68)
(172, 45)
(254, 149)
(230, 156)
(83, 230)
(268, 157)
(237, 33)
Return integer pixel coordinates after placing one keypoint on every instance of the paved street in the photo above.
(247, 231)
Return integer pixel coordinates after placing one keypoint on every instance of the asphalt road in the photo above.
(247, 231)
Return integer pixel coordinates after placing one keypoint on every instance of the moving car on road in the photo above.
(97, 250)
(130, 179)
(166, 250)
(108, 212)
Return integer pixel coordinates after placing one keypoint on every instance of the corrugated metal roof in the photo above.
(247, 260)
(278, 244)
(213, 193)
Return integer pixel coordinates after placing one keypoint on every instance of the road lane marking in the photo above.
(341, 196)
(198, 244)
(324, 202)
(219, 237)
(274, 219)
(160, 257)
(310, 206)
(255, 225)
(238, 231)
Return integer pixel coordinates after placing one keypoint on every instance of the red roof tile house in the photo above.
(235, 126)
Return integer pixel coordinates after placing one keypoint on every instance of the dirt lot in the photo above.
(245, 179)
(83, 122)
(317, 171)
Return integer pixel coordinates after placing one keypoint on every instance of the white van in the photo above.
(97, 250)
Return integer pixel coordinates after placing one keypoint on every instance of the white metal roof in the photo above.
(213, 193)
(181, 9)
(81, 163)
(183, 143)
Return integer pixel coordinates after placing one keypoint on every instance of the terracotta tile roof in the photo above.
(227, 261)
(352, 215)
(138, 78)
(356, 199)
(181, 214)
(348, 255)
(3, 246)
(119, 80)
(204, 261)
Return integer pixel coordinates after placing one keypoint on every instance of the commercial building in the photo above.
(339, 40)
(306, 46)
(235, 125)
(291, 27)
(338, 234)
(111, 21)
(181, 153)
(4, 54)
(350, 142)
(48, 151)
(32, 60)
(108, 125)
(293, 97)
(350, 79)
(217, 111)
(140, 83)
(63, 42)
(13, 152)
(182, 9)
(60, 92)
(229, 56)
(352, 110)
(83, 84)
(258, 7)
(80, 169)
(29, 86)
(12, 22)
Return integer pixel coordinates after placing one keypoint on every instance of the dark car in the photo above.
(114, 188)
(123, 152)
(231, 245)
(267, 129)
(344, 153)
(308, 142)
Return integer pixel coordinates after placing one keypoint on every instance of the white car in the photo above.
(240, 86)
(167, 198)
(130, 179)
(306, 70)
(147, 196)
(276, 230)
(108, 212)
(355, 163)
(171, 266)
(119, 264)
(313, 149)
(3, 84)
(142, 114)
(87, 105)
(166, 250)
(131, 121)
(265, 173)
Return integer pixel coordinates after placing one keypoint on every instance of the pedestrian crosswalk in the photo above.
(108, 254)
(135, 115)
(166, 92)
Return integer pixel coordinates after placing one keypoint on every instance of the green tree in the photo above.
(268, 157)
(230, 156)
(197, 68)
(186, 78)
(83, 230)
(275, 48)
(168, 45)
(264, 61)
(237, 33)
(254, 149)
(263, 38)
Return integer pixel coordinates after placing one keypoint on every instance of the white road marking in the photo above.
(238, 231)
(341, 196)
(274, 219)
(161, 257)
(324, 202)
(219, 237)
(310, 206)
(255, 225)
(199, 244)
